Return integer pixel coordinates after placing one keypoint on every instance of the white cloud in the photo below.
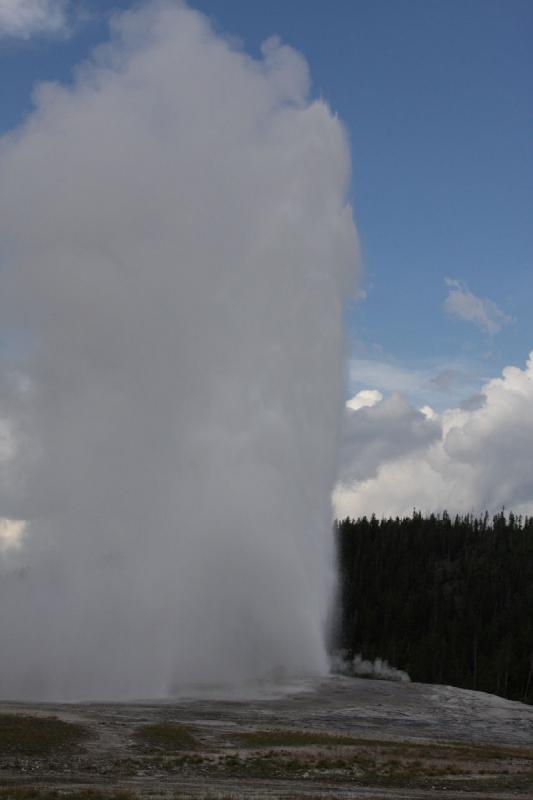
(366, 397)
(475, 458)
(463, 304)
(24, 18)
(429, 412)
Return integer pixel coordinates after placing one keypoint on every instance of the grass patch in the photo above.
(25, 735)
(38, 793)
(374, 762)
(461, 751)
(166, 737)
(293, 738)
(490, 752)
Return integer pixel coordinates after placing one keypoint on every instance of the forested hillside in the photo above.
(448, 600)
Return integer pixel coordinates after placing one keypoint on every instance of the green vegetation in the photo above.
(377, 762)
(166, 736)
(22, 734)
(448, 601)
(286, 754)
(293, 738)
(388, 763)
(40, 793)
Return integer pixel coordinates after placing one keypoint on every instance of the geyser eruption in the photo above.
(175, 251)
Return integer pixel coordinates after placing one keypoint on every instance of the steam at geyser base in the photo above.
(176, 249)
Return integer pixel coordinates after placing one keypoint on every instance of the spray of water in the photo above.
(175, 251)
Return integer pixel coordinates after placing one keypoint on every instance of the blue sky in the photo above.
(436, 99)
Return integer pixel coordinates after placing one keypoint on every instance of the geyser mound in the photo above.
(176, 248)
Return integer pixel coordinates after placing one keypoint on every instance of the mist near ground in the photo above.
(176, 248)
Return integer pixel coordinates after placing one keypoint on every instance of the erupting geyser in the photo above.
(175, 248)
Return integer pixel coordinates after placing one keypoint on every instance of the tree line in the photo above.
(449, 601)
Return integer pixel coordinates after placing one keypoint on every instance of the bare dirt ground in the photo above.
(339, 737)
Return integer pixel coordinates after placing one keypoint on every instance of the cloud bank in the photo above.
(467, 459)
(24, 18)
(176, 248)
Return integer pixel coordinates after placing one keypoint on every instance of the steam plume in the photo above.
(176, 247)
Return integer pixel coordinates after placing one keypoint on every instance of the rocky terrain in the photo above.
(339, 737)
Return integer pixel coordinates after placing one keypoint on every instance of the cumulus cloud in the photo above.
(24, 18)
(472, 458)
(463, 304)
(176, 248)
(384, 430)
